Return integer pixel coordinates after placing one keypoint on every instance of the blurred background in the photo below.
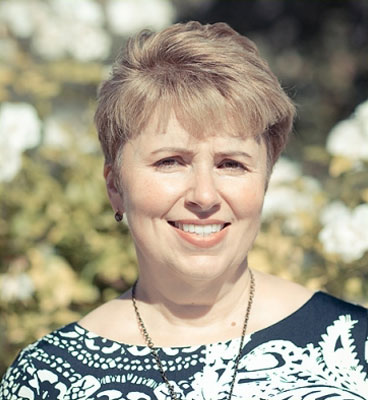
(61, 251)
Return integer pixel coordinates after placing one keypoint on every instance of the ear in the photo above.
(115, 196)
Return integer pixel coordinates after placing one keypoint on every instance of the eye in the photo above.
(168, 163)
(232, 165)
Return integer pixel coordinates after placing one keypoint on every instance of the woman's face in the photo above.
(193, 205)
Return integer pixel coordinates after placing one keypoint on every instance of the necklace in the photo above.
(154, 352)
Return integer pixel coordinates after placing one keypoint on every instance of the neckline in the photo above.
(247, 336)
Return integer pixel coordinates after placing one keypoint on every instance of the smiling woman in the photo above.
(197, 183)
(191, 122)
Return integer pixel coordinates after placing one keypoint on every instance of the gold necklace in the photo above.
(154, 352)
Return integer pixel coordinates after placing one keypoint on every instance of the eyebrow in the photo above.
(234, 154)
(185, 151)
(172, 150)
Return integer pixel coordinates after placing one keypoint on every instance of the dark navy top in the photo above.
(320, 352)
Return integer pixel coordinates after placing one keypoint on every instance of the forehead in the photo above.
(174, 123)
(173, 135)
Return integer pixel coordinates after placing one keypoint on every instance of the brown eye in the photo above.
(167, 163)
(232, 165)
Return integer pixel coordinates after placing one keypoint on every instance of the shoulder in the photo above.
(326, 302)
(66, 361)
(114, 320)
(321, 327)
(276, 299)
(39, 364)
(19, 380)
(337, 328)
(332, 325)
(339, 316)
(307, 313)
(55, 344)
(326, 310)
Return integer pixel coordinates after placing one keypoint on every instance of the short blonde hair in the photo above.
(208, 74)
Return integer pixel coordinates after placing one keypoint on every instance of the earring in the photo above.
(118, 216)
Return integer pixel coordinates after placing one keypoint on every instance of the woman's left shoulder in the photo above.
(342, 314)
(341, 306)
(278, 297)
(285, 299)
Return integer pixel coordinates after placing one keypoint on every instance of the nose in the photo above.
(203, 195)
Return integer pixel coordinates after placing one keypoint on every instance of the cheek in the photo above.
(151, 196)
(248, 199)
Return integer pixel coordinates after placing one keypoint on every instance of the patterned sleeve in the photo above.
(366, 344)
(20, 381)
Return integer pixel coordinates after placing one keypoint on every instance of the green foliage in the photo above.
(61, 252)
(57, 227)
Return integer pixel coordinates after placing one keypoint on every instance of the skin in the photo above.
(190, 285)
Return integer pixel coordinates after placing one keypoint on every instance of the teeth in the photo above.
(203, 230)
(216, 228)
(199, 230)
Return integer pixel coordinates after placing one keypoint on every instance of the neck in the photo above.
(184, 303)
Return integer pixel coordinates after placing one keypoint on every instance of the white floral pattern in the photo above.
(286, 361)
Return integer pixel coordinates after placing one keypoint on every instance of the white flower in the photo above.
(129, 16)
(349, 138)
(84, 37)
(361, 115)
(55, 134)
(288, 192)
(284, 171)
(19, 130)
(92, 43)
(293, 225)
(21, 16)
(51, 39)
(74, 29)
(284, 201)
(19, 126)
(84, 11)
(65, 130)
(57, 38)
(333, 211)
(360, 220)
(10, 164)
(344, 231)
(16, 287)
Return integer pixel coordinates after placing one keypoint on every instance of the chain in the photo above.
(154, 352)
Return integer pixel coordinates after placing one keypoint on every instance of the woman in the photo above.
(191, 122)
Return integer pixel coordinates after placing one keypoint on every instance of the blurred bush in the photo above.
(61, 253)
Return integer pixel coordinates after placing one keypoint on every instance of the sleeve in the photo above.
(366, 343)
(20, 381)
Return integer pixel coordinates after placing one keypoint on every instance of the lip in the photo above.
(201, 241)
(201, 221)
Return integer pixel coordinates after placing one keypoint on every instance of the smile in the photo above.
(201, 234)
(202, 230)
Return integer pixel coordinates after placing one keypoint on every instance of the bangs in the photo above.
(203, 112)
